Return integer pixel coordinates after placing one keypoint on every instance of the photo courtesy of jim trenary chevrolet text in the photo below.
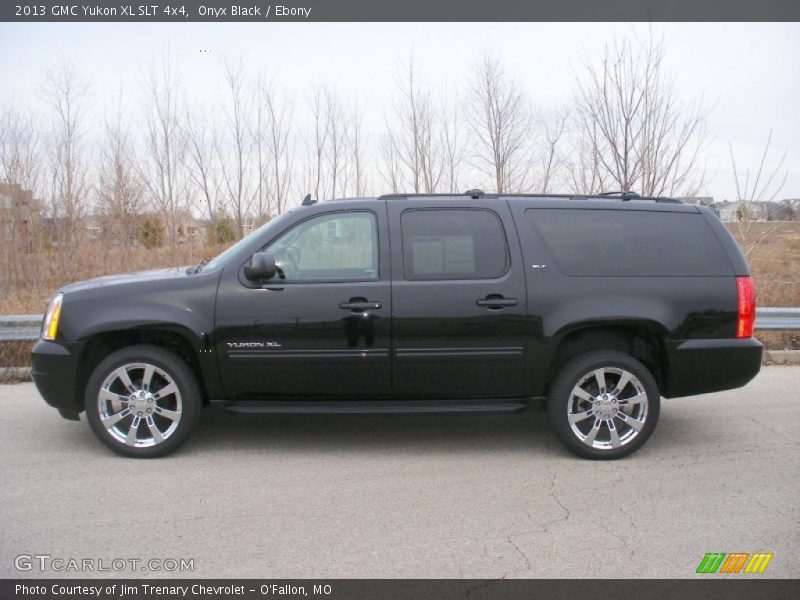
(355, 299)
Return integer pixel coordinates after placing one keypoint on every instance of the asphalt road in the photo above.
(411, 496)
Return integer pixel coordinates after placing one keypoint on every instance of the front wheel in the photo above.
(142, 401)
(603, 405)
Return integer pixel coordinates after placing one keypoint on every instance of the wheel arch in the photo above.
(176, 339)
(641, 339)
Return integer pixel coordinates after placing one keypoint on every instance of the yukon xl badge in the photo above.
(253, 345)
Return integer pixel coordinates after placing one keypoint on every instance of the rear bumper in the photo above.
(54, 368)
(708, 365)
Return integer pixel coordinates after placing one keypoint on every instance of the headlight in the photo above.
(50, 325)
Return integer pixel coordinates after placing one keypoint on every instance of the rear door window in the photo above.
(629, 243)
(453, 244)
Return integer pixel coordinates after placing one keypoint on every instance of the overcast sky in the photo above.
(748, 72)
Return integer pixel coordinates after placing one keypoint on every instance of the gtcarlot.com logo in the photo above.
(58, 564)
(734, 562)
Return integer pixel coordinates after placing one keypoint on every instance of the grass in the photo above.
(33, 277)
(14, 354)
(774, 260)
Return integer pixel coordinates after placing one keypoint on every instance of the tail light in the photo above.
(746, 303)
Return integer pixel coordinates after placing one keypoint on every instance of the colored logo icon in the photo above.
(734, 562)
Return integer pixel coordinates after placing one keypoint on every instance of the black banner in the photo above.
(405, 10)
(401, 589)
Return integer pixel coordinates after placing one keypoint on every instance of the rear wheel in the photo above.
(142, 401)
(603, 404)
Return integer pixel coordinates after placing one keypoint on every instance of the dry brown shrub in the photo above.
(41, 275)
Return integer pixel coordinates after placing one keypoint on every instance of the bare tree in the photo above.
(357, 143)
(585, 174)
(335, 145)
(336, 162)
(552, 160)
(391, 167)
(66, 94)
(453, 143)
(413, 132)
(120, 192)
(499, 117)
(762, 185)
(20, 151)
(164, 166)
(643, 134)
(278, 113)
(235, 157)
(20, 170)
(202, 139)
(766, 183)
(261, 192)
(316, 142)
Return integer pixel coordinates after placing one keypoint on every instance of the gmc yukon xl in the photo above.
(433, 303)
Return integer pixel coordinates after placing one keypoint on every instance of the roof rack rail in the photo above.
(477, 193)
(630, 195)
(474, 194)
(627, 195)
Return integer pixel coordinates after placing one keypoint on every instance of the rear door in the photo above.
(458, 299)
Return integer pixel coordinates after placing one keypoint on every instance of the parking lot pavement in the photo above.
(411, 496)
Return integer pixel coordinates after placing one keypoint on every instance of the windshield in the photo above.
(223, 257)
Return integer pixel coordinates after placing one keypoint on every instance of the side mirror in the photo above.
(261, 266)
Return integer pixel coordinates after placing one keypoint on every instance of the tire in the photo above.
(165, 409)
(603, 423)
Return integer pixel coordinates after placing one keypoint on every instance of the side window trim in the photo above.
(377, 250)
(494, 214)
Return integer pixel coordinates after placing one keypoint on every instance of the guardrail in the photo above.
(15, 328)
(777, 318)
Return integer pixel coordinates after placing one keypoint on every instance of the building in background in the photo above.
(785, 210)
(19, 215)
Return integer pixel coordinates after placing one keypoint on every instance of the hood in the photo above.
(127, 278)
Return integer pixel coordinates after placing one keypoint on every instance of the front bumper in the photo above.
(710, 365)
(54, 369)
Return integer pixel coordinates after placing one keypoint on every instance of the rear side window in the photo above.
(453, 244)
(627, 243)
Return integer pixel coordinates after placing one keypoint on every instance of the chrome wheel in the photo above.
(607, 408)
(139, 405)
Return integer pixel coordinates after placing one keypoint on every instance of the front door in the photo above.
(458, 300)
(321, 327)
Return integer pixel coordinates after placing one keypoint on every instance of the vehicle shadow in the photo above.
(525, 431)
(424, 434)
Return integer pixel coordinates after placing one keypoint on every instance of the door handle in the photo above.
(359, 305)
(494, 302)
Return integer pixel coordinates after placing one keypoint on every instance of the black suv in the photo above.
(456, 303)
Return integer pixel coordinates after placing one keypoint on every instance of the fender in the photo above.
(610, 310)
(666, 315)
(176, 303)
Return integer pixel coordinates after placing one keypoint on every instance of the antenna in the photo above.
(307, 201)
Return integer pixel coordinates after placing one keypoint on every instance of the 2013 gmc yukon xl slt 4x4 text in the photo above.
(456, 303)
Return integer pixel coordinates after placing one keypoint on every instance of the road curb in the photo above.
(15, 374)
(771, 357)
(781, 357)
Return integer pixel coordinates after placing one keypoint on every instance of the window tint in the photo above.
(630, 243)
(453, 244)
(332, 247)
